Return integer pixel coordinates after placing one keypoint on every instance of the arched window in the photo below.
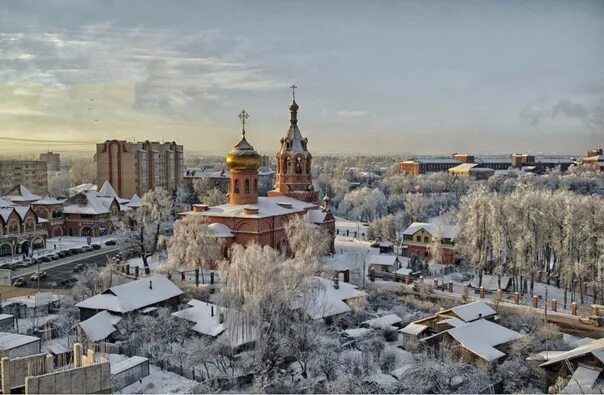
(247, 185)
(288, 165)
(308, 165)
(285, 165)
(236, 188)
(29, 225)
(298, 165)
(13, 227)
(256, 185)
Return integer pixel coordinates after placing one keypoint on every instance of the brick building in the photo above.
(135, 168)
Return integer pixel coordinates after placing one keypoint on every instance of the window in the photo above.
(298, 165)
(13, 228)
(29, 225)
(256, 185)
(426, 239)
(247, 185)
(236, 188)
(418, 239)
(408, 237)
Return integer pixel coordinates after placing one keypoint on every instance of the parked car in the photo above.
(78, 268)
(96, 246)
(53, 257)
(74, 250)
(110, 243)
(69, 281)
(34, 277)
(61, 254)
(22, 265)
(45, 259)
(43, 274)
(5, 266)
(67, 253)
(86, 249)
(20, 282)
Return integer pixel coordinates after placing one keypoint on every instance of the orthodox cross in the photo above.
(293, 87)
(243, 115)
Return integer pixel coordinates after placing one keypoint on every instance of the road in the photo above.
(63, 268)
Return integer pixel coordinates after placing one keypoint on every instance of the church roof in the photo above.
(267, 207)
(293, 142)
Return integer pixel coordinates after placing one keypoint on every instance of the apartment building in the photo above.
(31, 173)
(137, 167)
(53, 161)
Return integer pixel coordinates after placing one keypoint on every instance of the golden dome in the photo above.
(243, 156)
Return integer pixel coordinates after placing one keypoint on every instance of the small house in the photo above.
(134, 296)
(99, 327)
(14, 345)
(384, 263)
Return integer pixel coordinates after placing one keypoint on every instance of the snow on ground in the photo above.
(344, 225)
(157, 382)
(59, 244)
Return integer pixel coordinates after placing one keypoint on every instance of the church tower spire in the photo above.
(243, 162)
(294, 161)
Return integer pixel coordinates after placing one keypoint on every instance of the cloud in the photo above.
(532, 115)
(570, 109)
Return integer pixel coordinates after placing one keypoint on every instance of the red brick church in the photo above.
(247, 217)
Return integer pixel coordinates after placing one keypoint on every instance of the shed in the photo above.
(384, 263)
(98, 327)
(383, 322)
(129, 371)
(14, 345)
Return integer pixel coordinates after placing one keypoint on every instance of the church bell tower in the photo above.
(294, 162)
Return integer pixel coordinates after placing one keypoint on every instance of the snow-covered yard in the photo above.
(158, 381)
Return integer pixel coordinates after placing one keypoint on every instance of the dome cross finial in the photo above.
(243, 115)
(293, 88)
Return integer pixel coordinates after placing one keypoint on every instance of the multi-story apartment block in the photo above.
(137, 167)
(31, 173)
(53, 161)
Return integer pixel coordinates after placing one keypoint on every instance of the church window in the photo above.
(307, 165)
(236, 188)
(247, 186)
(287, 166)
(256, 185)
(298, 165)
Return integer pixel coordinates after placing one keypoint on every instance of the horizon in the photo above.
(386, 79)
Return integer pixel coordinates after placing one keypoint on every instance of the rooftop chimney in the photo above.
(220, 318)
(336, 281)
(150, 284)
(212, 311)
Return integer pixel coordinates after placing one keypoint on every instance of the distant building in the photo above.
(595, 158)
(30, 173)
(418, 237)
(135, 168)
(53, 161)
(471, 170)
(518, 161)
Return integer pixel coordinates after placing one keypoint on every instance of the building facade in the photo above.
(30, 173)
(134, 168)
(53, 161)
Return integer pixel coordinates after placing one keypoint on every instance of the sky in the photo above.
(373, 77)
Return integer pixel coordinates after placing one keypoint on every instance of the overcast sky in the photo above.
(374, 76)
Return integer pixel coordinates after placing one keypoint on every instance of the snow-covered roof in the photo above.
(134, 295)
(480, 337)
(582, 380)
(473, 311)
(462, 167)
(220, 230)
(94, 204)
(6, 316)
(324, 300)
(21, 194)
(205, 316)
(197, 172)
(414, 329)
(107, 190)
(81, 188)
(8, 341)
(447, 231)
(135, 201)
(596, 348)
(355, 333)
(384, 260)
(383, 322)
(6, 202)
(126, 364)
(99, 326)
(22, 211)
(266, 206)
(47, 200)
(454, 322)
(317, 216)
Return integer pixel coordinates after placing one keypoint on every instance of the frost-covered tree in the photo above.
(142, 227)
(193, 246)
